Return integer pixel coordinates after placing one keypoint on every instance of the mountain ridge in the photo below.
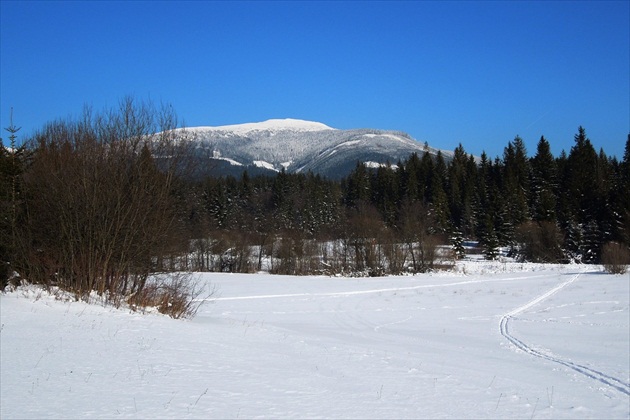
(300, 146)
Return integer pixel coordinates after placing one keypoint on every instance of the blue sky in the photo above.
(476, 73)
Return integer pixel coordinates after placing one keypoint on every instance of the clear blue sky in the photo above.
(478, 73)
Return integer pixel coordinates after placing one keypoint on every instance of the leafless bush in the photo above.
(445, 256)
(615, 258)
(294, 254)
(414, 226)
(99, 209)
(363, 232)
(394, 252)
(175, 295)
(540, 242)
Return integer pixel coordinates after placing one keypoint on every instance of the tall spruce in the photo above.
(583, 195)
(12, 165)
(623, 202)
(516, 182)
(543, 183)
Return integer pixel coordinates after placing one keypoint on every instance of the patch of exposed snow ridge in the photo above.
(271, 125)
(391, 136)
(376, 165)
(263, 164)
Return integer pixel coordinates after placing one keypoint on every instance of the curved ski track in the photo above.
(596, 375)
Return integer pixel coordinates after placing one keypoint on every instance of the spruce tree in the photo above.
(543, 183)
(457, 243)
(516, 181)
(490, 241)
(12, 163)
(623, 202)
(586, 195)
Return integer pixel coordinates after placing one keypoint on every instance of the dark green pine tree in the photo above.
(574, 241)
(438, 203)
(357, 188)
(457, 243)
(583, 194)
(409, 177)
(564, 209)
(516, 182)
(385, 193)
(582, 178)
(282, 202)
(605, 211)
(13, 161)
(543, 185)
(490, 241)
(460, 191)
(622, 203)
(427, 169)
(487, 193)
(625, 163)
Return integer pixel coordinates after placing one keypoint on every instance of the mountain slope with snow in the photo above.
(302, 146)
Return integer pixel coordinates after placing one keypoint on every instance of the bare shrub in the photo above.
(230, 252)
(395, 253)
(615, 258)
(99, 208)
(540, 242)
(293, 254)
(364, 231)
(414, 226)
(175, 295)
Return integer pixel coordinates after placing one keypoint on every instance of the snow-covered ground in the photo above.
(487, 341)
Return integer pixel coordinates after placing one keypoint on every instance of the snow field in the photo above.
(428, 346)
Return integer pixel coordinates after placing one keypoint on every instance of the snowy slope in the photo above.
(269, 125)
(301, 146)
(490, 341)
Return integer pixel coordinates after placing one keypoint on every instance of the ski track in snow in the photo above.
(363, 292)
(596, 375)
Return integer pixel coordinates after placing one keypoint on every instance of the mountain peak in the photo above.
(300, 146)
(272, 125)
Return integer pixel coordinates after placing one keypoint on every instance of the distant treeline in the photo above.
(101, 203)
(542, 208)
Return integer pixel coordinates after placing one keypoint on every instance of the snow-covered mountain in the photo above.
(300, 146)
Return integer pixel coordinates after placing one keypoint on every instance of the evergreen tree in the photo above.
(409, 175)
(358, 186)
(460, 191)
(516, 182)
(543, 183)
(427, 169)
(582, 178)
(490, 241)
(622, 202)
(457, 243)
(439, 202)
(12, 165)
(584, 195)
(385, 193)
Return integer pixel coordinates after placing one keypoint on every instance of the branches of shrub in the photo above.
(98, 209)
(615, 258)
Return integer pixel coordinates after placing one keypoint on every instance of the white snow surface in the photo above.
(270, 125)
(263, 164)
(488, 340)
(391, 136)
(377, 165)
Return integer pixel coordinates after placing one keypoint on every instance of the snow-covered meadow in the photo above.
(489, 340)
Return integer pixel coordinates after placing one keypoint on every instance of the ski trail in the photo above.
(365, 292)
(596, 375)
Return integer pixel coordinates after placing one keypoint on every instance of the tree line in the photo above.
(101, 203)
(537, 208)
